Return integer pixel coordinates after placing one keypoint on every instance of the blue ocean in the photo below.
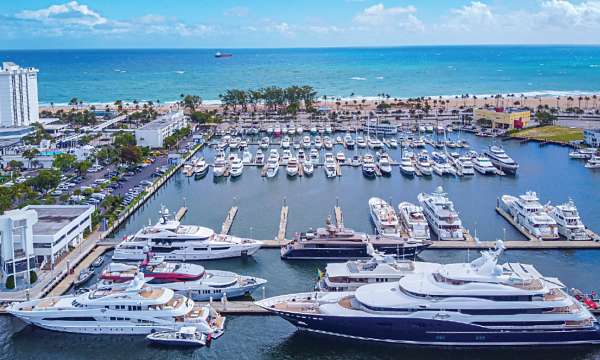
(164, 74)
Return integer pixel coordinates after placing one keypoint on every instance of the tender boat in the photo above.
(98, 262)
(569, 222)
(187, 336)
(501, 160)
(413, 221)
(174, 241)
(84, 276)
(439, 212)
(527, 211)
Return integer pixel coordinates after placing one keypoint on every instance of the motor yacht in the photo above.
(423, 164)
(350, 275)
(355, 161)
(583, 153)
(314, 156)
(327, 144)
(406, 166)
(330, 166)
(501, 160)
(368, 166)
(236, 166)
(569, 222)
(259, 158)
(318, 143)
(441, 166)
(413, 221)
(384, 164)
(475, 304)
(308, 167)
(374, 143)
(465, 165)
(188, 170)
(484, 166)
(285, 156)
(593, 162)
(135, 310)
(306, 142)
(200, 168)
(441, 216)
(177, 242)
(247, 157)
(220, 166)
(191, 280)
(272, 166)
(527, 211)
(264, 143)
(349, 142)
(292, 167)
(234, 143)
(360, 142)
(384, 218)
(340, 157)
(338, 242)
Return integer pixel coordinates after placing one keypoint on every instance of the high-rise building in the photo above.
(18, 95)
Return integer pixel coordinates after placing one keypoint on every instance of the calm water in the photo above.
(546, 170)
(108, 75)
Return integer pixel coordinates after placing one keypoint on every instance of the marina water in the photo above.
(165, 74)
(547, 170)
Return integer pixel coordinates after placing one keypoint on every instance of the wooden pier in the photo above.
(338, 169)
(65, 284)
(300, 169)
(181, 213)
(237, 308)
(283, 216)
(229, 220)
(517, 226)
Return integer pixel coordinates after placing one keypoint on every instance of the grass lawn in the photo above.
(551, 133)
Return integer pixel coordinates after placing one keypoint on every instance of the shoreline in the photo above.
(532, 99)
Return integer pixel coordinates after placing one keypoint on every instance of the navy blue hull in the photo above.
(351, 252)
(437, 332)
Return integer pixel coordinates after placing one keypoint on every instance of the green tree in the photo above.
(191, 102)
(545, 118)
(123, 138)
(169, 141)
(131, 154)
(45, 180)
(64, 162)
(83, 166)
(30, 154)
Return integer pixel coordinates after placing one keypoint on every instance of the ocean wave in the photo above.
(180, 72)
(358, 78)
(595, 65)
(379, 78)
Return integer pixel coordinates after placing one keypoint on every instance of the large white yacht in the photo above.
(272, 166)
(527, 211)
(353, 274)
(439, 212)
(236, 166)
(424, 164)
(569, 222)
(441, 165)
(465, 165)
(414, 221)
(188, 279)
(384, 217)
(501, 160)
(483, 165)
(134, 310)
(174, 241)
(480, 303)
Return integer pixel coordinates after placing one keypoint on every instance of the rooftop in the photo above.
(163, 121)
(52, 218)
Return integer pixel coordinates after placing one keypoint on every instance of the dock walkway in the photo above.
(283, 216)
(229, 220)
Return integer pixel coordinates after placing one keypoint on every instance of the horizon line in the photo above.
(315, 47)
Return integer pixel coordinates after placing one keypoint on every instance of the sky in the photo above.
(221, 24)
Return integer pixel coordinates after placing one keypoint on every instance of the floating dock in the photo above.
(229, 220)
(517, 226)
(339, 216)
(181, 213)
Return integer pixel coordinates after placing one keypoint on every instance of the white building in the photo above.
(154, 133)
(18, 95)
(591, 137)
(16, 242)
(59, 229)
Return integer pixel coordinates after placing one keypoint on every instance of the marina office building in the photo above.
(504, 118)
(154, 133)
(18, 95)
(59, 229)
(591, 137)
(17, 256)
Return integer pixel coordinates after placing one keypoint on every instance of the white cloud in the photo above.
(320, 29)
(475, 15)
(378, 16)
(71, 13)
(563, 13)
(238, 11)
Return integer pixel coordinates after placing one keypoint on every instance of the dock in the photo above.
(517, 226)
(181, 213)
(229, 220)
(237, 308)
(338, 169)
(283, 216)
(263, 171)
(65, 284)
(377, 170)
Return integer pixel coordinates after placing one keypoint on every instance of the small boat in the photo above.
(200, 168)
(314, 156)
(593, 163)
(264, 143)
(349, 142)
(330, 169)
(247, 157)
(259, 158)
(361, 143)
(292, 167)
(98, 262)
(219, 55)
(368, 166)
(355, 161)
(84, 276)
(385, 165)
(188, 170)
(406, 166)
(186, 336)
(340, 157)
(237, 166)
(306, 142)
